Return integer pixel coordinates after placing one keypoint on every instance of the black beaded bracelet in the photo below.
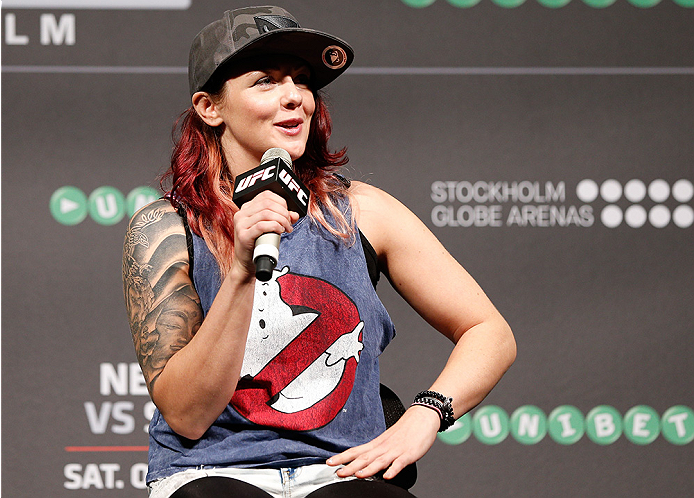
(440, 404)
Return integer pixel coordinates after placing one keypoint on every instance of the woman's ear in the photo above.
(207, 109)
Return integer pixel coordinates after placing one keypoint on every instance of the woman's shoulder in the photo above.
(159, 206)
(357, 187)
(377, 214)
(367, 196)
(374, 205)
(156, 236)
(157, 215)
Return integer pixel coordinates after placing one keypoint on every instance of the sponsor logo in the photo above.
(566, 425)
(268, 173)
(552, 204)
(334, 57)
(274, 175)
(250, 180)
(106, 205)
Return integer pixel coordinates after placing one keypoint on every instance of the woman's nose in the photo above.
(291, 95)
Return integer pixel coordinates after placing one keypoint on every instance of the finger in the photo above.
(395, 468)
(359, 452)
(376, 465)
(351, 462)
(367, 464)
(354, 468)
(263, 221)
(262, 202)
(267, 199)
(253, 208)
(270, 222)
(346, 456)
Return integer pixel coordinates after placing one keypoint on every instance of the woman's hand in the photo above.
(265, 213)
(404, 443)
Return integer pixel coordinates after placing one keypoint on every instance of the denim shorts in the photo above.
(280, 483)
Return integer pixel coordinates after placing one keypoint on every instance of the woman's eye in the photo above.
(302, 79)
(265, 80)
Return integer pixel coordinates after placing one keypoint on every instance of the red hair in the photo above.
(202, 183)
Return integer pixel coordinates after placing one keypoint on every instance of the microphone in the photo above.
(275, 174)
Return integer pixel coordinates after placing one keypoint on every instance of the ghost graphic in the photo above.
(302, 350)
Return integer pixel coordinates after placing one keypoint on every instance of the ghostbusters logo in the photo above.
(301, 355)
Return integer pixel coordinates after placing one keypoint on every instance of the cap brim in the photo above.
(306, 44)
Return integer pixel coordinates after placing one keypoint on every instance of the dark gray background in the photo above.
(601, 315)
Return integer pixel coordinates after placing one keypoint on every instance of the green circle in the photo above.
(509, 4)
(459, 432)
(528, 424)
(599, 4)
(139, 197)
(604, 424)
(418, 3)
(106, 205)
(464, 4)
(641, 425)
(566, 424)
(554, 4)
(490, 424)
(68, 205)
(644, 4)
(677, 425)
(685, 3)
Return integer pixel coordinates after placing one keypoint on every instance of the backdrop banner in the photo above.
(547, 143)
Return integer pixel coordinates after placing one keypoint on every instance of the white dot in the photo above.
(659, 216)
(635, 216)
(120, 484)
(587, 190)
(659, 190)
(683, 216)
(683, 191)
(635, 190)
(611, 216)
(611, 190)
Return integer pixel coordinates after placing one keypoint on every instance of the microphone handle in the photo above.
(265, 255)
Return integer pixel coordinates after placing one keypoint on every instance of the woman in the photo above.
(264, 387)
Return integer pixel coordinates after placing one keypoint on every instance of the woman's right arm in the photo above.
(191, 366)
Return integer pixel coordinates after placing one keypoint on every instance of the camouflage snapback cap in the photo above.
(252, 31)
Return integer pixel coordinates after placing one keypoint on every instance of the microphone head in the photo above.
(274, 173)
(274, 153)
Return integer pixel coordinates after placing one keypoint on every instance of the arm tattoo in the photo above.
(163, 307)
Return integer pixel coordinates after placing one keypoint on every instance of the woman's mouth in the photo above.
(290, 127)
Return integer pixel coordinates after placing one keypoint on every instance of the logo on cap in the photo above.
(334, 57)
(266, 24)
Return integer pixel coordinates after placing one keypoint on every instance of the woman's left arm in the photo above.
(449, 299)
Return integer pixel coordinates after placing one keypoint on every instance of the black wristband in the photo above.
(439, 403)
